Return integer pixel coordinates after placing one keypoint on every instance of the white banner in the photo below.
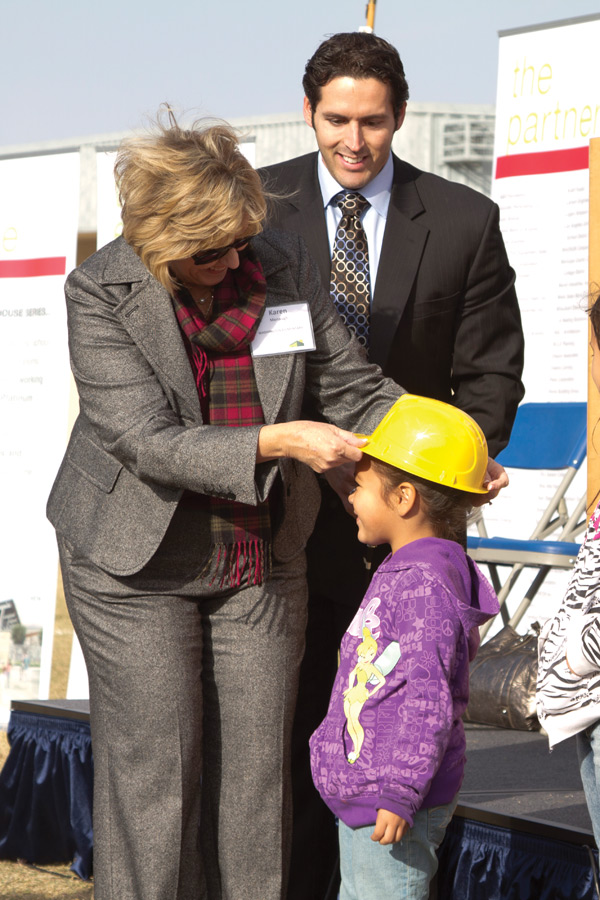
(108, 216)
(38, 239)
(547, 110)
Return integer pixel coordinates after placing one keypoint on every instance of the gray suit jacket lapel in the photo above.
(272, 373)
(150, 319)
(403, 244)
(148, 315)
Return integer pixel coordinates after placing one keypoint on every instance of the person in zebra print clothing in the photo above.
(568, 684)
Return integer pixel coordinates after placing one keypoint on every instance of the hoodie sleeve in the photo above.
(429, 647)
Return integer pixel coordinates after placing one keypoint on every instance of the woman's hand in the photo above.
(319, 445)
(389, 828)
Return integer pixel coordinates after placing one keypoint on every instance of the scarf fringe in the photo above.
(229, 561)
(201, 366)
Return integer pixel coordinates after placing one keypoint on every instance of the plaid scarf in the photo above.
(219, 352)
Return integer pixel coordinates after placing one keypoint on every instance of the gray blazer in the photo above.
(139, 440)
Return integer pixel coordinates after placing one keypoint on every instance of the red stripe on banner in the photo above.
(543, 163)
(31, 268)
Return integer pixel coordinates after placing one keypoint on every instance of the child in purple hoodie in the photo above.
(389, 757)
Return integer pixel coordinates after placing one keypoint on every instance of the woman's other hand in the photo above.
(318, 444)
(341, 480)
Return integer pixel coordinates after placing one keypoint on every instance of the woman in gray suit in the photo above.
(182, 508)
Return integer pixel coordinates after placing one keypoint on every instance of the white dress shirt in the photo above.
(377, 192)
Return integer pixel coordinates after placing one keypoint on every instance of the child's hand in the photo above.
(389, 828)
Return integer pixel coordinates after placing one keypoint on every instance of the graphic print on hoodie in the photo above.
(393, 736)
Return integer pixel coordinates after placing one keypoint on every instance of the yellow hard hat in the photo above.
(434, 440)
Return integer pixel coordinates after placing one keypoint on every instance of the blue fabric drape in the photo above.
(46, 817)
(46, 792)
(486, 862)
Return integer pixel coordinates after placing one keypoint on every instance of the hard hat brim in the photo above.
(371, 449)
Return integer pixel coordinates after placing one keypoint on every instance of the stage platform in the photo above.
(512, 775)
(522, 828)
(67, 709)
(519, 806)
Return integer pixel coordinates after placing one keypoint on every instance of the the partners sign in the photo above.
(548, 109)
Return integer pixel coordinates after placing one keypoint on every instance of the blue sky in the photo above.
(72, 68)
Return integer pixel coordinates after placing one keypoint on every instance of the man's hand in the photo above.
(389, 828)
(495, 479)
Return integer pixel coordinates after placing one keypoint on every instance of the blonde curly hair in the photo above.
(185, 190)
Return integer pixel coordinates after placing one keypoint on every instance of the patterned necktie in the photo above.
(349, 288)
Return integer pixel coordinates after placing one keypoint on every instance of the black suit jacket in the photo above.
(445, 320)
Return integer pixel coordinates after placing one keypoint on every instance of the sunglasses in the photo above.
(201, 259)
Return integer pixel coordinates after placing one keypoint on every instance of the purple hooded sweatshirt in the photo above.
(393, 736)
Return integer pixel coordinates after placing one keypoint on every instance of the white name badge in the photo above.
(284, 329)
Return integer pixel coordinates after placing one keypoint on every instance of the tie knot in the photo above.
(350, 203)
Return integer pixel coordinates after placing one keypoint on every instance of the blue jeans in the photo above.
(401, 871)
(588, 751)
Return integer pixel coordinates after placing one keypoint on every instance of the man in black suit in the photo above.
(444, 322)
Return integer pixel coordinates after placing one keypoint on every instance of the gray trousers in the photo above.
(190, 687)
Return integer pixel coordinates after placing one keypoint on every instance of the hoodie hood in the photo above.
(474, 598)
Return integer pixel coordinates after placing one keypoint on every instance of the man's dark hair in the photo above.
(356, 54)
